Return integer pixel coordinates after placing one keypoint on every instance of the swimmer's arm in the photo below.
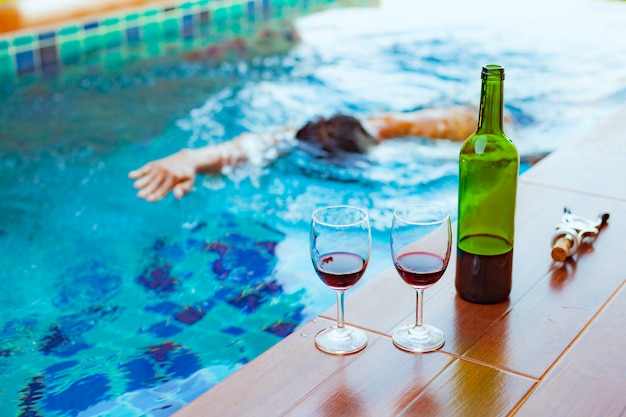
(177, 171)
(453, 123)
(245, 147)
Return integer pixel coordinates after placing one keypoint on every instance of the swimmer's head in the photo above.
(338, 133)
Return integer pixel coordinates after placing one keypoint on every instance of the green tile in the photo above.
(7, 68)
(69, 30)
(235, 11)
(153, 49)
(91, 59)
(113, 38)
(23, 40)
(151, 30)
(171, 25)
(4, 46)
(111, 21)
(220, 14)
(113, 58)
(69, 50)
(92, 42)
(236, 28)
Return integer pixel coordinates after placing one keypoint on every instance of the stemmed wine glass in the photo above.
(421, 239)
(340, 245)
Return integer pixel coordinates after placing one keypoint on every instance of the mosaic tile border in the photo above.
(146, 32)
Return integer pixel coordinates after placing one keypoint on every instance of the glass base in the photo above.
(341, 341)
(413, 338)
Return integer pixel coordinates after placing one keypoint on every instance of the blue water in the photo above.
(113, 306)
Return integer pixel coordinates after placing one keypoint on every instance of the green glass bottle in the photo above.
(488, 171)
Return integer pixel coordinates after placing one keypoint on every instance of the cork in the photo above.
(561, 248)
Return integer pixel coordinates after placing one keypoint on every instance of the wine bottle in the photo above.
(488, 171)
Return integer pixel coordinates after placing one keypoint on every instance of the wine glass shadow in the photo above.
(426, 402)
(342, 402)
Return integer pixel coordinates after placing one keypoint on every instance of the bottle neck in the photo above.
(490, 113)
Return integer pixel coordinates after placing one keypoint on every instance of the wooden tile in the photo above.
(589, 380)
(592, 164)
(294, 375)
(562, 300)
(381, 382)
(273, 382)
(468, 389)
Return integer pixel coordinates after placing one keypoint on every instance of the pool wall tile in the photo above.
(135, 34)
(25, 61)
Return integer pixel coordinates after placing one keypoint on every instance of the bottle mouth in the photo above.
(492, 71)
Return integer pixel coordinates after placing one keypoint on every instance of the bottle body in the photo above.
(488, 172)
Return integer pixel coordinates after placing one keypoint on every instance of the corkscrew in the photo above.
(572, 231)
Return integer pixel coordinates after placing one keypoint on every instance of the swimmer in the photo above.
(339, 133)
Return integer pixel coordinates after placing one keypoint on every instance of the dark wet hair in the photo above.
(338, 133)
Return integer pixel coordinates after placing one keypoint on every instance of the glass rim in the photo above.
(317, 220)
(445, 212)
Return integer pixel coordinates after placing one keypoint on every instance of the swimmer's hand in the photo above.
(175, 173)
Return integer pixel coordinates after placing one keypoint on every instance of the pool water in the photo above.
(113, 306)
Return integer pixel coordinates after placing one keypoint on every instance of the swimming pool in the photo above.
(111, 305)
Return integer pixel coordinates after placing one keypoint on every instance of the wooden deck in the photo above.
(557, 347)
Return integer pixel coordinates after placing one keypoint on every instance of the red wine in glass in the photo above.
(420, 269)
(340, 241)
(421, 242)
(340, 270)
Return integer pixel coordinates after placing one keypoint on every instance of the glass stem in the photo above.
(419, 311)
(340, 323)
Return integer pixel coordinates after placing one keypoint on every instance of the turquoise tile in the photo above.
(7, 68)
(236, 11)
(220, 14)
(110, 21)
(151, 13)
(92, 43)
(70, 52)
(113, 38)
(69, 30)
(151, 30)
(171, 25)
(153, 49)
(23, 40)
(113, 58)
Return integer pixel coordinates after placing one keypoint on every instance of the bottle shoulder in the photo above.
(481, 143)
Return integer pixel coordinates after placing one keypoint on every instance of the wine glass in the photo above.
(340, 245)
(421, 239)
